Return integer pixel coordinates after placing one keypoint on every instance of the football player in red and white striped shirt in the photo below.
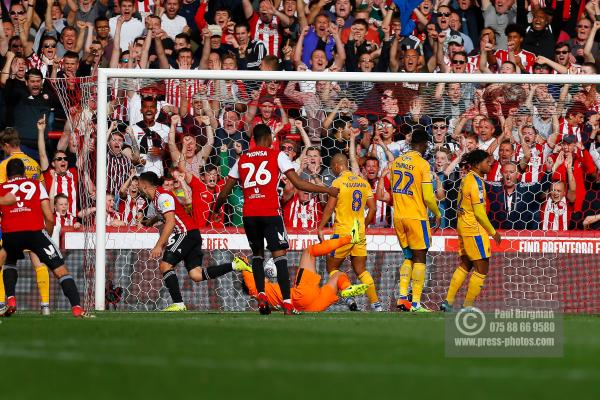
(556, 211)
(181, 241)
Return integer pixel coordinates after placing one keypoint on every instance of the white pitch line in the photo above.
(331, 367)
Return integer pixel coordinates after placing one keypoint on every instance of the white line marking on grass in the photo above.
(320, 367)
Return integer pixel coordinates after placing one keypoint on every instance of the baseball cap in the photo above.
(456, 38)
(569, 139)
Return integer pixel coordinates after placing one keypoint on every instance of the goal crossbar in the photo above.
(104, 74)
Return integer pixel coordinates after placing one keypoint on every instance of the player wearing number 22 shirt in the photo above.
(28, 225)
(355, 194)
(258, 172)
(412, 193)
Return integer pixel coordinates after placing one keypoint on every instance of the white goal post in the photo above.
(105, 74)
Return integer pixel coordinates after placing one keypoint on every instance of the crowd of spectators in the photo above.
(544, 138)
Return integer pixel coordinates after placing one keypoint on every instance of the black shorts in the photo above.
(186, 247)
(38, 242)
(270, 228)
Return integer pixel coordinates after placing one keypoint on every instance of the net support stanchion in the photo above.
(101, 184)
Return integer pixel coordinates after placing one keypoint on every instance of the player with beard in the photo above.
(179, 240)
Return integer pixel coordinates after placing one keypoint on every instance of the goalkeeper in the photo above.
(307, 293)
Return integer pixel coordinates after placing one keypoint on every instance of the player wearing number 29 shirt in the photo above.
(181, 241)
(28, 225)
(259, 171)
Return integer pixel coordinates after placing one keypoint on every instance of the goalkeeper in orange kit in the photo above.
(307, 293)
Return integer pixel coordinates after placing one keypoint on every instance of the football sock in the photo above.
(327, 246)
(475, 284)
(405, 274)
(2, 293)
(258, 270)
(418, 281)
(343, 281)
(214, 271)
(172, 284)
(10, 275)
(367, 279)
(70, 290)
(283, 276)
(43, 282)
(458, 277)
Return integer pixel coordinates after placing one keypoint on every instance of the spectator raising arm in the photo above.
(157, 35)
(248, 9)
(116, 50)
(301, 11)
(561, 69)
(41, 128)
(125, 186)
(7, 70)
(146, 50)
(571, 183)
(205, 49)
(589, 43)
(340, 52)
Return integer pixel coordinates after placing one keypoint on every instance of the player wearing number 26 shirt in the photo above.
(27, 225)
(355, 194)
(412, 193)
(258, 172)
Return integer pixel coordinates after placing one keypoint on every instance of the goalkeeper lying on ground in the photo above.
(307, 293)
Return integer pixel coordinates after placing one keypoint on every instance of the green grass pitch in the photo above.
(248, 356)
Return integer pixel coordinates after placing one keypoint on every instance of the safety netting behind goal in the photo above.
(536, 134)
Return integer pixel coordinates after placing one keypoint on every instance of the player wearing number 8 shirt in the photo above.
(412, 193)
(259, 171)
(349, 206)
(27, 225)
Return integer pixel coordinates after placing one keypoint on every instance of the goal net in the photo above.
(541, 190)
